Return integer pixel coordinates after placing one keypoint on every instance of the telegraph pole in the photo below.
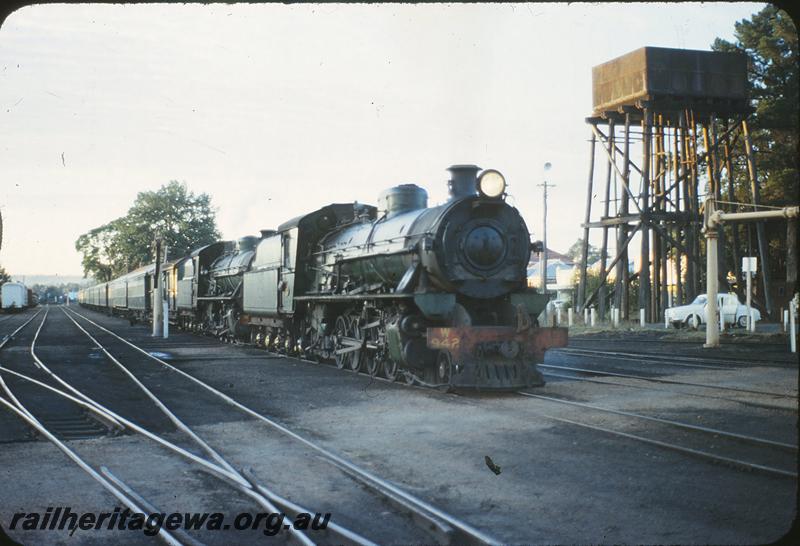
(543, 262)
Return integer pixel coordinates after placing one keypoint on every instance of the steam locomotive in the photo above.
(435, 295)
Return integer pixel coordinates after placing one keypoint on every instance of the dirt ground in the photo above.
(558, 482)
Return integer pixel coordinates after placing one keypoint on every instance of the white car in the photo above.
(694, 314)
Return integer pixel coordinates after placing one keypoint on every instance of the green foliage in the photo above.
(184, 220)
(4, 276)
(99, 254)
(770, 41)
(576, 250)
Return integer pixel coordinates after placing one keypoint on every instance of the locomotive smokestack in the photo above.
(463, 181)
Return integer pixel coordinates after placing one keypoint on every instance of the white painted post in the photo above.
(157, 292)
(569, 317)
(642, 322)
(593, 317)
(615, 317)
(712, 324)
(785, 320)
(166, 320)
(611, 316)
(792, 324)
(749, 301)
(586, 316)
(558, 316)
(752, 320)
(666, 320)
(721, 320)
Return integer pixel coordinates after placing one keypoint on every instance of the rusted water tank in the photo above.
(666, 77)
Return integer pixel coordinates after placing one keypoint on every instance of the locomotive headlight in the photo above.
(491, 184)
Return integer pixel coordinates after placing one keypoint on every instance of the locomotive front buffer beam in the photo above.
(493, 357)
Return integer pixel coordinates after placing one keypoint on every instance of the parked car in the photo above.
(694, 314)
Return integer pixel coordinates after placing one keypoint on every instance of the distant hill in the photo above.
(49, 280)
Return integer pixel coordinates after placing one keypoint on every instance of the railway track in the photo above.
(660, 379)
(11, 329)
(574, 340)
(16, 407)
(790, 408)
(680, 361)
(433, 522)
(732, 449)
(781, 457)
(675, 360)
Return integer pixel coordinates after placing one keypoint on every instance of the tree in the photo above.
(770, 41)
(575, 252)
(184, 220)
(4, 276)
(100, 257)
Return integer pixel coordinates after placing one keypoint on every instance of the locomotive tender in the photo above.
(437, 295)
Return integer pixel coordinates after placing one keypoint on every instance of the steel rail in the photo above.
(463, 532)
(100, 410)
(659, 357)
(684, 393)
(294, 509)
(416, 382)
(671, 381)
(682, 449)
(238, 478)
(433, 524)
(162, 533)
(10, 336)
(678, 424)
(3, 385)
(666, 341)
(185, 537)
(164, 409)
(611, 355)
(207, 466)
(249, 486)
(40, 365)
(349, 536)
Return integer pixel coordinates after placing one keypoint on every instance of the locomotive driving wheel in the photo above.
(389, 368)
(356, 333)
(341, 330)
(372, 357)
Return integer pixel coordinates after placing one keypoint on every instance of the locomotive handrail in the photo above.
(351, 297)
(384, 241)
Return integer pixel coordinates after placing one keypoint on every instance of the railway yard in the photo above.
(636, 439)
(265, 279)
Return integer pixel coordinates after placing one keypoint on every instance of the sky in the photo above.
(276, 110)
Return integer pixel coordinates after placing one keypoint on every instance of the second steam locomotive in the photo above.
(436, 295)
